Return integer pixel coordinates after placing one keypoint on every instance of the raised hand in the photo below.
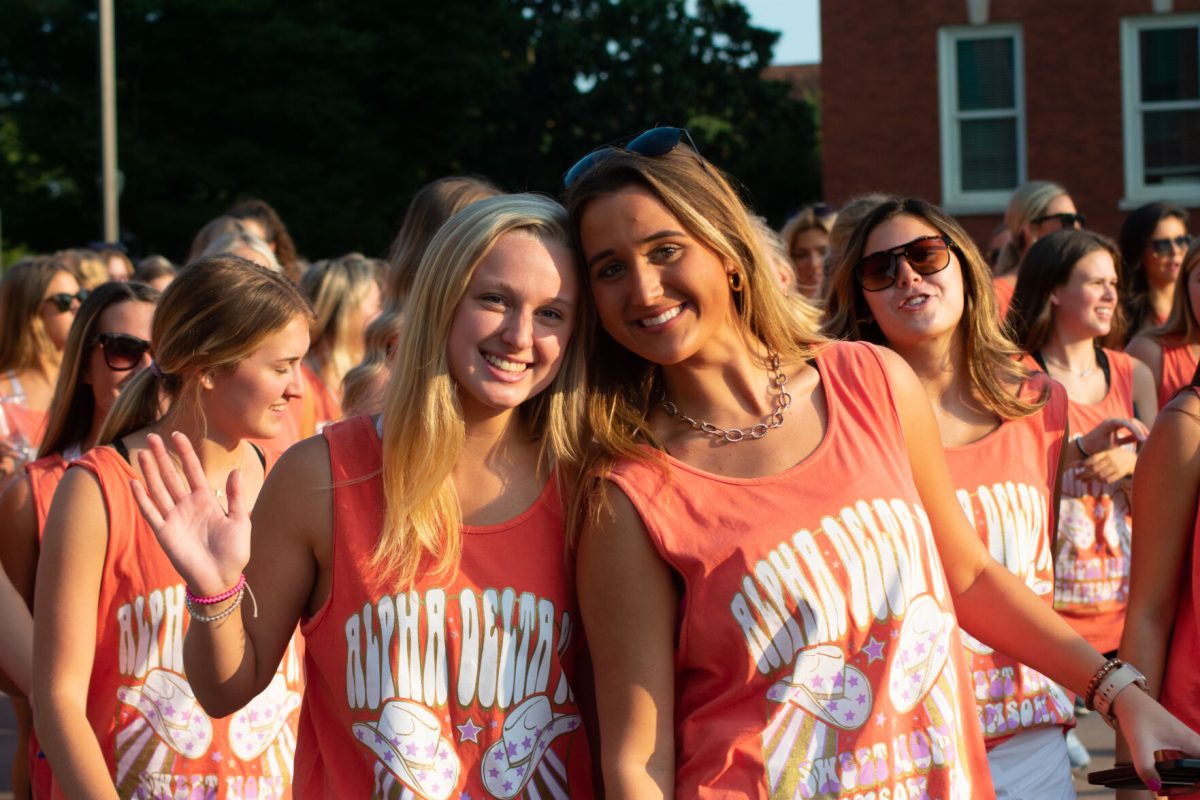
(208, 545)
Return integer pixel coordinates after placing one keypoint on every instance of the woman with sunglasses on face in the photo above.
(1153, 239)
(1173, 350)
(115, 713)
(1036, 209)
(768, 515)
(912, 280)
(38, 300)
(421, 551)
(107, 345)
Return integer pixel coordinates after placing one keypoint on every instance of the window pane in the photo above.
(989, 154)
(1170, 64)
(1172, 146)
(985, 73)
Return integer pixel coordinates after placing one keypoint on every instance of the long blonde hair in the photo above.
(992, 359)
(622, 384)
(336, 288)
(423, 427)
(217, 312)
(24, 343)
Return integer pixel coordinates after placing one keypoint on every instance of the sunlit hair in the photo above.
(991, 359)
(336, 288)
(109, 253)
(74, 404)
(151, 268)
(212, 229)
(1028, 202)
(231, 243)
(772, 247)
(275, 233)
(1048, 265)
(423, 426)
(1136, 232)
(86, 265)
(362, 388)
(24, 343)
(623, 385)
(850, 214)
(1182, 322)
(435, 203)
(214, 314)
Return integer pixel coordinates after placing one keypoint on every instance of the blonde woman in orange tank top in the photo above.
(768, 517)
(423, 551)
(114, 711)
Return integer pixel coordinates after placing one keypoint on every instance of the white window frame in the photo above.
(954, 198)
(1137, 191)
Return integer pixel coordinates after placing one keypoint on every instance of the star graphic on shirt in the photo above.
(880, 718)
(874, 650)
(469, 731)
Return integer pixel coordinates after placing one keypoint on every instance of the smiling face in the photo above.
(916, 308)
(512, 325)
(659, 291)
(1162, 270)
(1085, 306)
(250, 400)
(133, 318)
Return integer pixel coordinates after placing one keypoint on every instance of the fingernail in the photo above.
(1154, 786)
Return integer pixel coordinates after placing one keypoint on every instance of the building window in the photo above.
(1160, 70)
(982, 100)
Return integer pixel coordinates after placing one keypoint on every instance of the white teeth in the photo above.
(661, 318)
(914, 302)
(503, 364)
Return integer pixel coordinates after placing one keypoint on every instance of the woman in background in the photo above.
(1035, 209)
(1153, 239)
(806, 238)
(1172, 351)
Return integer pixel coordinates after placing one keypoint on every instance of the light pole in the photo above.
(108, 121)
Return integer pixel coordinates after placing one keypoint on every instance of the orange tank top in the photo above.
(156, 738)
(1005, 485)
(1181, 679)
(1091, 560)
(458, 688)
(818, 653)
(1178, 367)
(1004, 295)
(316, 408)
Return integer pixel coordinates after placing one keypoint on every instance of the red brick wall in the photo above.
(879, 92)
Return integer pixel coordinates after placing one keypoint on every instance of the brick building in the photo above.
(960, 101)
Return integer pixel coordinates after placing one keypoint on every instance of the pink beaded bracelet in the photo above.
(216, 598)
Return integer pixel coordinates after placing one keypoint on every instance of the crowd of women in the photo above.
(627, 496)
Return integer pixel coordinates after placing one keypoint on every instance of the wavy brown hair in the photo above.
(1182, 322)
(992, 359)
(23, 340)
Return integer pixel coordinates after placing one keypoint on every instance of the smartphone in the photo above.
(1175, 772)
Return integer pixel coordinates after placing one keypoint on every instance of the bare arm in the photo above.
(18, 551)
(996, 607)
(16, 631)
(1145, 393)
(1148, 350)
(621, 577)
(65, 604)
(231, 661)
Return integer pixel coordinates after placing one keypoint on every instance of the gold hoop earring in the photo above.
(735, 282)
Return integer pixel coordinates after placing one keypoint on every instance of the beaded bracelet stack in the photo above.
(1107, 683)
(195, 604)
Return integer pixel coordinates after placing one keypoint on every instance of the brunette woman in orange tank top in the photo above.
(1172, 351)
(423, 552)
(719, 571)
(114, 712)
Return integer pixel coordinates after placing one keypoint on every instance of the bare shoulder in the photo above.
(1145, 348)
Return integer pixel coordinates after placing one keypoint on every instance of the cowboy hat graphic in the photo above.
(408, 742)
(823, 684)
(166, 702)
(528, 731)
(924, 646)
(253, 728)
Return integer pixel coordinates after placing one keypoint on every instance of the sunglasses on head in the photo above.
(1164, 247)
(1065, 220)
(62, 301)
(926, 255)
(122, 352)
(652, 143)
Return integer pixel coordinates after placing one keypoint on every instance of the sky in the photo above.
(799, 20)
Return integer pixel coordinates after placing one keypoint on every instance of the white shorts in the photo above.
(1032, 766)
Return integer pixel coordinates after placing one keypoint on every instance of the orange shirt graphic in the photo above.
(1005, 485)
(818, 653)
(454, 689)
(157, 740)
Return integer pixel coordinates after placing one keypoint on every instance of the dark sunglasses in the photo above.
(1065, 220)
(1164, 247)
(652, 143)
(926, 255)
(122, 352)
(63, 301)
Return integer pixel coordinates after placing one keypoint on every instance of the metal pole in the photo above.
(108, 120)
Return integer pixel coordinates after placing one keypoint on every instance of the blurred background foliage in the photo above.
(337, 111)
